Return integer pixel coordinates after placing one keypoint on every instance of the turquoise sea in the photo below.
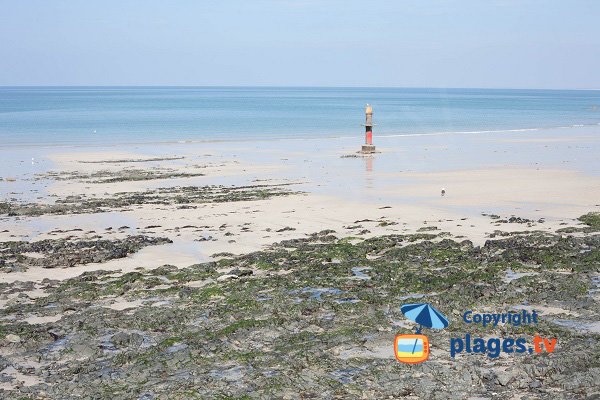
(101, 115)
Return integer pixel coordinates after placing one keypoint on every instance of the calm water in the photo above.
(40, 116)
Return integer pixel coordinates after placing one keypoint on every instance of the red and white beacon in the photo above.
(368, 147)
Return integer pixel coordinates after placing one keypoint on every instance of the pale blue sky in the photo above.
(460, 43)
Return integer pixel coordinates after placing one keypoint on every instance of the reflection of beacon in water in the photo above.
(411, 349)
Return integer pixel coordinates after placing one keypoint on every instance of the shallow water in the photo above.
(595, 286)
(316, 293)
(359, 274)
(230, 374)
(415, 296)
(510, 275)
(346, 375)
(580, 326)
(347, 300)
(57, 345)
(320, 168)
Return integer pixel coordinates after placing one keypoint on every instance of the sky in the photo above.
(551, 44)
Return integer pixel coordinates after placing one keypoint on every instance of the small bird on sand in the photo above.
(443, 191)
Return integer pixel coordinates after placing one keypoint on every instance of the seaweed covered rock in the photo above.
(52, 253)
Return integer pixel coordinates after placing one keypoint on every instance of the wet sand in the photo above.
(395, 191)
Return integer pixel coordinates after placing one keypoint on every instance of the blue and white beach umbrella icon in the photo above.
(424, 315)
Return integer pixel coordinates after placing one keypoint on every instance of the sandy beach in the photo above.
(333, 188)
(233, 217)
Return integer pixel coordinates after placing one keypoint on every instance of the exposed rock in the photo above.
(66, 253)
(291, 321)
(226, 277)
(11, 338)
(123, 339)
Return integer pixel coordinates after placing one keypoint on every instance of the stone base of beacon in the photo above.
(368, 149)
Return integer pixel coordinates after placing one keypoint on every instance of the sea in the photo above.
(72, 116)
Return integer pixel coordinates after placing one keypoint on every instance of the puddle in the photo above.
(510, 275)
(182, 376)
(161, 303)
(345, 300)
(328, 317)
(270, 373)
(160, 287)
(57, 345)
(359, 274)
(263, 297)
(107, 345)
(346, 375)
(176, 347)
(200, 321)
(595, 286)
(316, 293)
(416, 296)
(579, 326)
(68, 222)
(232, 374)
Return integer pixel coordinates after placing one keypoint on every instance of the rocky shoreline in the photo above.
(53, 253)
(308, 318)
(80, 204)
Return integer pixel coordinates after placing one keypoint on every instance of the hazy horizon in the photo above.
(296, 87)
